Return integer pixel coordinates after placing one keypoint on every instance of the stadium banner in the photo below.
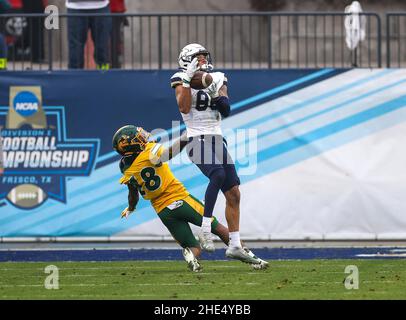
(319, 152)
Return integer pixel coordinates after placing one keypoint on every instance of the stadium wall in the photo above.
(319, 152)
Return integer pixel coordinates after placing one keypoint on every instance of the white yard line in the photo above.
(383, 255)
(139, 295)
(120, 284)
(190, 283)
(109, 268)
(170, 295)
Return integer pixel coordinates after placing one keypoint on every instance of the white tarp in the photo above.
(347, 179)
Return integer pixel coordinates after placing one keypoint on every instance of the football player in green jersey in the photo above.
(145, 172)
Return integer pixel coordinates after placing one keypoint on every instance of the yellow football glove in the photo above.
(125, 213)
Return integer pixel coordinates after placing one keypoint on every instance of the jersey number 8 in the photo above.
(202, 100)
(152, 181)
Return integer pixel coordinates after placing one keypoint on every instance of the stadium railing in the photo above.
(236, 40)
(395, 39)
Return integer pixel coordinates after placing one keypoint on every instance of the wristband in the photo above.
(185, 83)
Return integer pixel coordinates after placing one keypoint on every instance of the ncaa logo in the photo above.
(26, 103)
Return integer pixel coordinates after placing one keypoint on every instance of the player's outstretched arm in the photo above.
(133, 198)
(177, 146)
(173, 150)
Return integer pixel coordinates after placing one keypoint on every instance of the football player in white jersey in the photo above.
(202, 111)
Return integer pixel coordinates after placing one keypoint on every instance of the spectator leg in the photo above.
(77, 35)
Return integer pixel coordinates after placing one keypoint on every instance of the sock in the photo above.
(235, 239)
(216, 182)
(206, 224)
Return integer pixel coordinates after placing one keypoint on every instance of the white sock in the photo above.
(235, 239)
(206, 224)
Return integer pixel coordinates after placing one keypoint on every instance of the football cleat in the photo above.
(260, 266)
(242, 255)
(206, 241)
(192, 263)
(257, 266)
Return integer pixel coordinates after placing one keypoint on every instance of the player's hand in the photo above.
(191, 69)
(213, 92)
(126, 212)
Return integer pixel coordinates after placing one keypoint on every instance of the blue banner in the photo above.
(57, 127)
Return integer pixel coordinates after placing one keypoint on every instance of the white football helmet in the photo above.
(190, 51)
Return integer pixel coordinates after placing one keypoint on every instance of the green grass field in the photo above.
(306, 279)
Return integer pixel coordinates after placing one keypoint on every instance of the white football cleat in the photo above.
(206, 241)
(242, 255)
(262, 265)
(192, 263)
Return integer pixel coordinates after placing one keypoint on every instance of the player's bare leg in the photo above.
(196, 251)
(233, 211)
(191, 255)
(235, 249)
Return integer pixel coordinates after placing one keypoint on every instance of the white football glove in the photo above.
(125, 213)
(191, 69)
(212, 90)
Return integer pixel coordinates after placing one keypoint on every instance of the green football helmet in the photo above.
(130, 140)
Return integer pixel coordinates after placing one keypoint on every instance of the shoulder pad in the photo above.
(177, 78)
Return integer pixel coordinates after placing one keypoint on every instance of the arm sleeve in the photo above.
(133, 197)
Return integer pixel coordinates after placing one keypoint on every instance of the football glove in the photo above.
(190, 71)
(213, 92)
(126, 212)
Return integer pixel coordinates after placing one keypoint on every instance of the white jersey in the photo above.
(202, 119)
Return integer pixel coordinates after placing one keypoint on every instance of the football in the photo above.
(27, 196)
(201, 80)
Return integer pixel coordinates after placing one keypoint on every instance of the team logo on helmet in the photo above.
(130, 140)
(189, 52)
